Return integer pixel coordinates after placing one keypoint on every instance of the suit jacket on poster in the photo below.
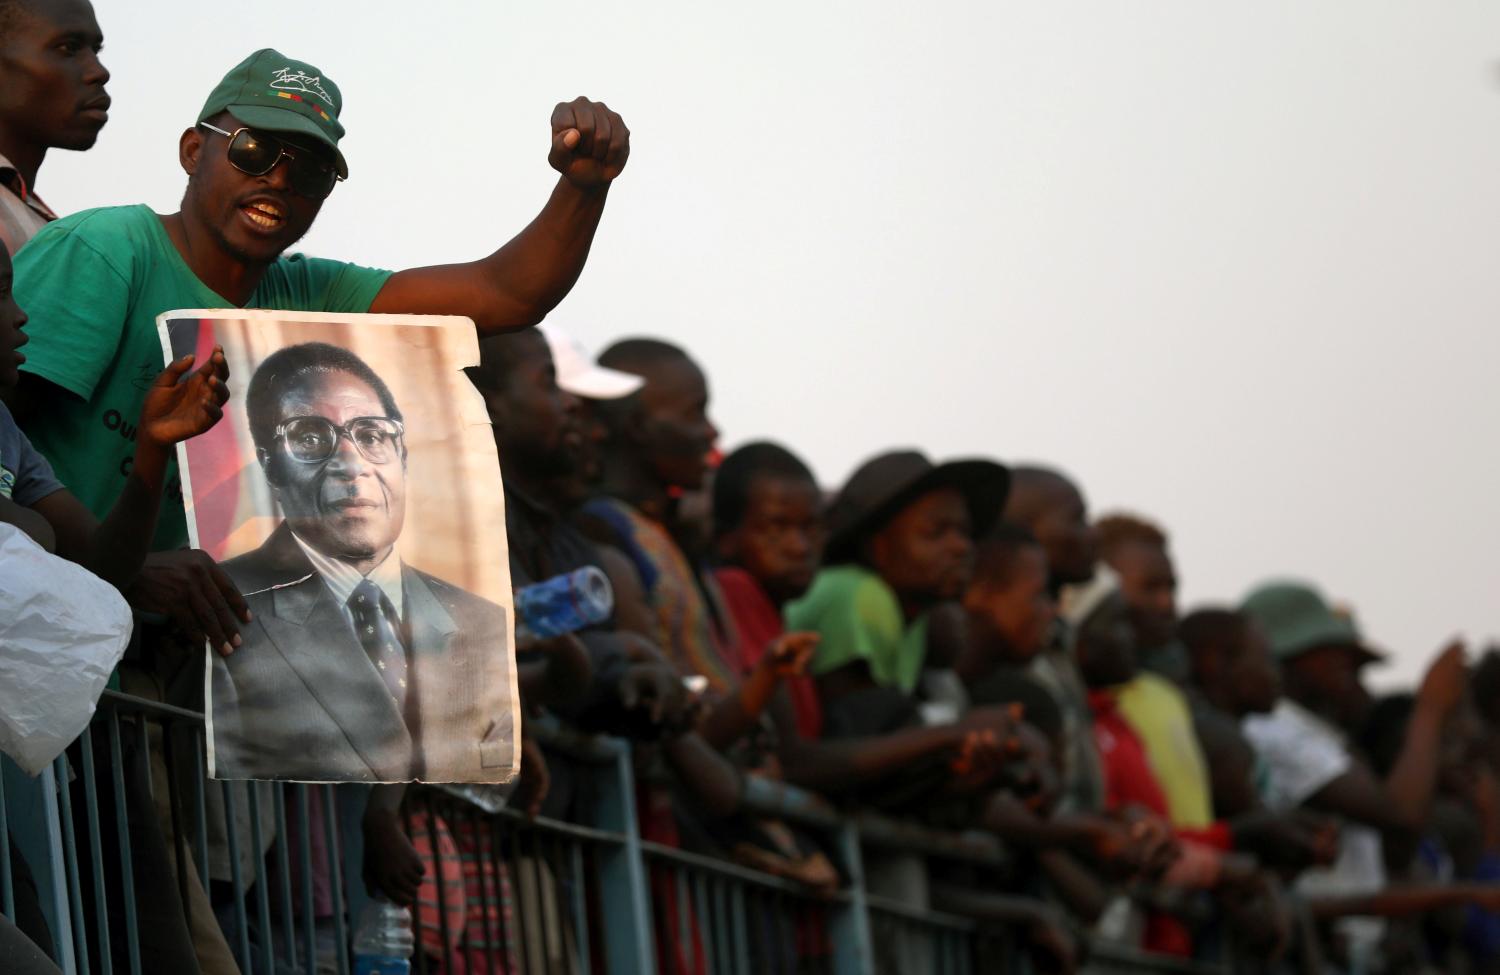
(300, 699)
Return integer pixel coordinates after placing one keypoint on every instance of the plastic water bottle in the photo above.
(563, 604)
(383, 941)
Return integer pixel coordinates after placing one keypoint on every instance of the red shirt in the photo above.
(1129, 780)
(756, 623)
(1128, 776)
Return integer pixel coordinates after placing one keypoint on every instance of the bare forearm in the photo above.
(1016, 824)
(1403, 901)
(843, 763)
(1393, 901)
(518, 284)
(736, 715)
(29, 522)
(708, 774)
(540, 265)
(120, 544)
(1414, 776)
(385, 798)
(1080, 889)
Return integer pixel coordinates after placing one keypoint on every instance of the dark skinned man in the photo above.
(901, 541)
(657, 446)
(769, 536)
(1303, 745)
(537, 435)
(1052, 508)
(635, 691)
(1137, 550)
(260, 160)
(1104, 645)
(1010, 612)
(51, 97)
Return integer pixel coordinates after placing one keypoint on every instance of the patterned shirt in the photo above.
(22, 212)
(688, 629)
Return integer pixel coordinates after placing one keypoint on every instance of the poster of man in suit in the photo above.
(353, 496)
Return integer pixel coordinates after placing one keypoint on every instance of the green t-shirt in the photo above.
(860, 618)
(92, 285)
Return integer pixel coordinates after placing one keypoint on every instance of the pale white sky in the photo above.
(1235, 267)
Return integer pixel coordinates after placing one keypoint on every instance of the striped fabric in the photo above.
(687, 628)
(482, 924)
(22, 212)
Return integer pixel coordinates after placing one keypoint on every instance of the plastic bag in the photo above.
(62, 631)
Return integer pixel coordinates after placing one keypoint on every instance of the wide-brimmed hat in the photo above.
(885, 484)
(1296, 618)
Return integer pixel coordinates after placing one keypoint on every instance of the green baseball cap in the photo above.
(1296, 618)
(270, 91)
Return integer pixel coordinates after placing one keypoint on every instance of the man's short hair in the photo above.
(1116, 531)
(995, 554)
(637, 356)
(734, 477)
(285, 366)
(1213, 629)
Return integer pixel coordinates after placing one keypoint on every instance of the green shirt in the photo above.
(93, 284)
(859, 618)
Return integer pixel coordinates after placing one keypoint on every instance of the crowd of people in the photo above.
(957, 642)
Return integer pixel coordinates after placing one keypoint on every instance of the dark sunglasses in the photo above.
(257, 153)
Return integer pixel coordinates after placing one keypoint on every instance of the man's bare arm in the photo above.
(1406, 900)
(520, 283)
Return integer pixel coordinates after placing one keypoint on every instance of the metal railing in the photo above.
(140, 861)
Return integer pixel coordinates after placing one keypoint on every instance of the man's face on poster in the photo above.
(351, 505)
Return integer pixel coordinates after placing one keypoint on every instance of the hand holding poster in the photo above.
(353, 495)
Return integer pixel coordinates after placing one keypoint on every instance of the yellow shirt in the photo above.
(1159, 713)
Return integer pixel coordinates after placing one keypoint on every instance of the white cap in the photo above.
(577, 372)
(1076, 603)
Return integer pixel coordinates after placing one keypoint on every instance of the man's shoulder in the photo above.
(109, 234)
(297, 281)
(1152, 692)
(1289, 726)
(101, 224)
(843, 594)
(854, 584)
(275, 562)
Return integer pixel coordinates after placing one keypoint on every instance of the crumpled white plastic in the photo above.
(62, 631)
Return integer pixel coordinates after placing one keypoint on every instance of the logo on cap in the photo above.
(289, 80)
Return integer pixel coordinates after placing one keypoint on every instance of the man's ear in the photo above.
(267, 467)
(190, 149)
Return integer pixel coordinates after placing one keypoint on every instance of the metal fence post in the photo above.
(622, 871)
(56, 893)
(33, 820)
(853, 949)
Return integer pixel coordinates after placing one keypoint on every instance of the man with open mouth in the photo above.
(261, 157)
